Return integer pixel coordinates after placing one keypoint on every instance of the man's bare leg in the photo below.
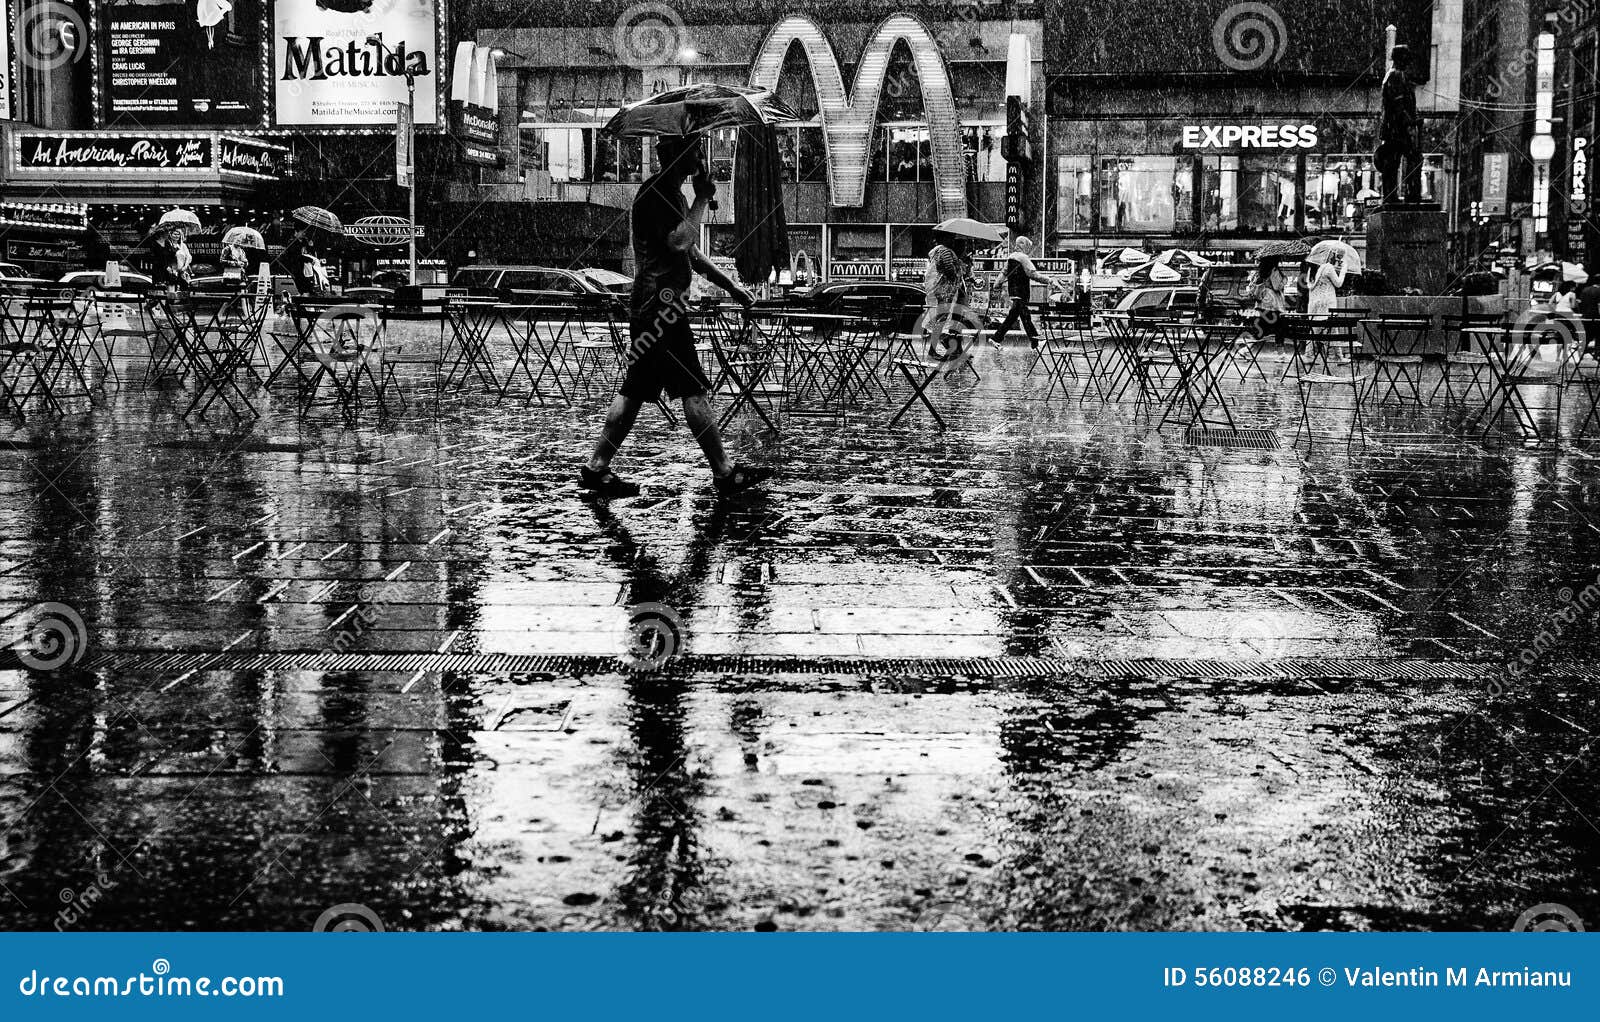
(619, 422)
(703, 424)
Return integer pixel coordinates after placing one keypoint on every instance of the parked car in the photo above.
(1224, 287)
(131, 281)
(619, 284)
(13, 270)
(531, 285)
(843, 296)
(1172, 298)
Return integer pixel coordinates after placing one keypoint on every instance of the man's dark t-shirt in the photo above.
(663, 275)
(1589, 301)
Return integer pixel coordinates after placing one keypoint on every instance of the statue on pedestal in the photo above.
(1399, 130)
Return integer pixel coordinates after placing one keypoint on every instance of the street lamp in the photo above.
(376, 39)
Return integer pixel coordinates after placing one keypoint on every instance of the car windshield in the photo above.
(475, 278)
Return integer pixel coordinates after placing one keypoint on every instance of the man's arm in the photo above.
(1032, 271)
(687, 234)
(712, 272)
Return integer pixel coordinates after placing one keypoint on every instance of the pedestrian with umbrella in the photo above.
(947, 282)
(243, 248)
(301, 259)
(170, 258)
(661, 354)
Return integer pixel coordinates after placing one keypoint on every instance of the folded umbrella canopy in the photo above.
(1180, 257)
(689, 109)
(1151, 273)
(761, 231)
(966, 227)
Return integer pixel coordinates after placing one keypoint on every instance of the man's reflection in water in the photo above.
(665, 886)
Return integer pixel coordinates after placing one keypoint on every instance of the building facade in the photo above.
(1218, 126)
(901, 113)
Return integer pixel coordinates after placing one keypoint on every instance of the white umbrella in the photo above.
(244, 237)
(1183, 257)
(966, 227)
(1323, 251)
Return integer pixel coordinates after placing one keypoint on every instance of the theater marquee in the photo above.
(329, 72)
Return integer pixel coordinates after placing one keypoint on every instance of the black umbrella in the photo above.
(695, 108)
(761, 229)
(1286, 249)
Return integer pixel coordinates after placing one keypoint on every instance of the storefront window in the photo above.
(982, 145)
(1141, 193)
(910, 156)
(572, 154)
(805, 256)
(1219, 193)
(813, 153)
(723, 143)
(1337, 186)
(1433, 178)
(1074, 195)
(630, 153)
(1266, 193)
(857, 251)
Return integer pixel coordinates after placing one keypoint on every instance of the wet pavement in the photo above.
(1047, 668)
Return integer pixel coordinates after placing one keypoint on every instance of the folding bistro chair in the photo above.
(1350, 379)
(1393, 367)
(748, 356)
(226, 353)
(1461, 356)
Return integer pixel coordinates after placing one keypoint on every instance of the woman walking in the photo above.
(1325, 285)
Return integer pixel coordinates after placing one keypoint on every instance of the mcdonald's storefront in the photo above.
(900, 121)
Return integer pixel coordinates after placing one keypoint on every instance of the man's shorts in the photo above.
(661, 356)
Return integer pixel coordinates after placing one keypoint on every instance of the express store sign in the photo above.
(1249, 136)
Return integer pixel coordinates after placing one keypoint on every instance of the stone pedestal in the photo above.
(1407, 243)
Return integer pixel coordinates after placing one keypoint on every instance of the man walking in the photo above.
(661, 354)
(1020, 274)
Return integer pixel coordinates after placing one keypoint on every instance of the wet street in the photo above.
(1048, 668)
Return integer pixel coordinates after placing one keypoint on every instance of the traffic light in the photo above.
(1016, 147)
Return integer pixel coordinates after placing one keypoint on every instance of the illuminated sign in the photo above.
(848, 117)
(1249, 136)
(243, 156)
(175, 62)
(1496, 187)
(346, 66)
(102, 152)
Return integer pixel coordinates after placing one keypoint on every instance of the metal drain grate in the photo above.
(1238, 439)
(1313, 669)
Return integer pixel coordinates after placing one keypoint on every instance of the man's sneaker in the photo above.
(606, 484)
